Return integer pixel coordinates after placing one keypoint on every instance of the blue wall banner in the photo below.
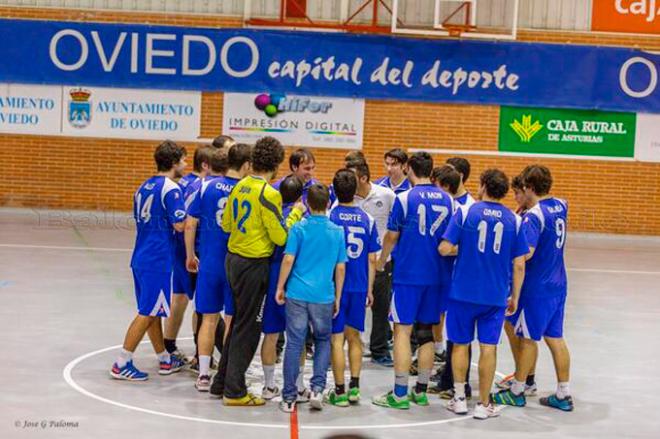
(329, 64)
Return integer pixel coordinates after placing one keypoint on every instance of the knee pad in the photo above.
(424, 333)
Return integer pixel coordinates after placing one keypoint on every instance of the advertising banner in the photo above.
(632, 16)
(29, 109)
(647, 145)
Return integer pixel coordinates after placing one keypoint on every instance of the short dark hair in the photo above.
(421, 163)
(538, 178)
(345, 185)
(495, 182)
(238, 154)
(267, 154)
(291, 188)
(318, 197)
(219, 163)
(461, 165)
(446, 176)
(517, 183)
(167, 155)
(223, 142)
(300, 156)
(397, 154)
(360, 167)
(202, 155)
(355, 155)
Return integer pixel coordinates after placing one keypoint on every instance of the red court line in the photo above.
(293, 422)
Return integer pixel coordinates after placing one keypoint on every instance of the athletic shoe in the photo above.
(128, 372)
(216, 389)
(337, 400)
(268, 393)
(458, 406)
(437, 376)
(193, 366)
(506, 382)
(440, 358)
(391, 401)
(309, 353)
(418, 398)
(507, 397)
(203, 383)
(484, 412)
(170, 367)
(531, 390)
(316, 400)
(565, 405)
(246, 401)
(181, 356)
(287, 406)
(354, 395)
(506, 385)
(414, 366)
(449, 393)
(385, 361)
(303, 396)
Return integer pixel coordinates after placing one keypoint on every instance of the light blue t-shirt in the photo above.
(318, 246)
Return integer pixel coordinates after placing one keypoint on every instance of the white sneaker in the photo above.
(269, 394)
(287, 406)
(458, 405)
(303, 396)
(531, 390)
(484, 412)
(203, 383)
(316, 400)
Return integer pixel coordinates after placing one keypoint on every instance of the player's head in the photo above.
(219, 163)
(345, 185)
(446, 178)
(267, 155)
(302, 163)
(225, 142)
(395, 161)
(202, 160)
(170, 157)
(318, 198)
(494, 184)
(519, 192)
(420, 165)
(291, 188)
(462, 166)
(354, 155)
(239, 157)
(537, 180)
(361, 169)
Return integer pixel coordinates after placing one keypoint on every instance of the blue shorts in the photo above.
(352, 311)
(183, 280)
(444, 298)
(152, 292)
(539, 317)
(463, 317)
(212, 290)
(274, 314)
(415, 304)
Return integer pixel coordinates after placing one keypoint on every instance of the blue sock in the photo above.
(400, 391)
(400, 385)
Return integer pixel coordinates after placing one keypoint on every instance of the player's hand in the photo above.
(192, 264)
(370, 300)
(300, 206)
(380, 265)
(335, 310)
(511, 307)
(279, 297)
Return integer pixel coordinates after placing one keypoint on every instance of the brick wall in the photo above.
(63, 172)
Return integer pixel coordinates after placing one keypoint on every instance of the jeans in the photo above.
(299, 315)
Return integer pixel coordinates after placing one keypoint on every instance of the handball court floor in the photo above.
(67, 298)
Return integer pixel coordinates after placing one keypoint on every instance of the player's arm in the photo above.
(271, 216)
(227, 214)
(518, 278)
(389, 242)
(531, 229)
(530, 255)
(373, 259)
(176, 210)
(189, 234)
(340, 275)
(296, 214)
(446, 248)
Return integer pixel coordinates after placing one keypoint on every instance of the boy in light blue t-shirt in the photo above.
(310, 285)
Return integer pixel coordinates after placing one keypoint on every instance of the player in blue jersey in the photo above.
(395, 163)
(362, 247)
(462, 196)
(490, 245)
(302, 164)
(274, 319)
(212, 294)
(418, 220)
(158, 210)
(543, 295)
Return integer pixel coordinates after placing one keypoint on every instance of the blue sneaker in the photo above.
(507, 397)
(128, 372)
(169, 367)
(565, 405)
(385, 361)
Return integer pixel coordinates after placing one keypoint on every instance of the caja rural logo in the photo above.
(526, 130)
(274, 103)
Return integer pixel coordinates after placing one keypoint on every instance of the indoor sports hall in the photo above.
(93, 91)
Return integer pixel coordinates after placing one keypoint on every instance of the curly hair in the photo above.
(167, 155)
(495, 182)
(538, 178)
(267, 155)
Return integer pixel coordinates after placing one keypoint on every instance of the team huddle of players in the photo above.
(277, 259)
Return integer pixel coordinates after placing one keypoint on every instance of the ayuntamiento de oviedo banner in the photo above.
(343, 65)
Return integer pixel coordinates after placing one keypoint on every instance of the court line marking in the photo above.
(67, 375)
(125, 250)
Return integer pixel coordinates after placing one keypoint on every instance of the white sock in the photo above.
(563, 390)
(269, 376)
(300, 382)
(439, 347)
(204, 365)
(518, 387)
(164, 357)
(124, 357)
(459, 390)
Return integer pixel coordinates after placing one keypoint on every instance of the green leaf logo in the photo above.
(526, 130)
